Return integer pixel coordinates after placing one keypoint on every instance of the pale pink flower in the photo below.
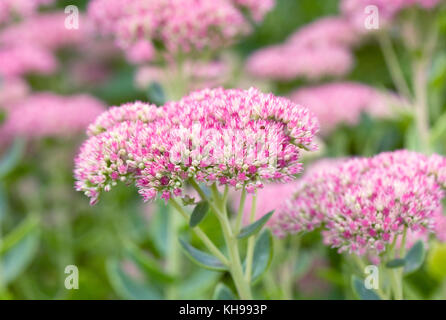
(364, 203)
(257, 8)
(140, 52)
(289, 61)
(182, 26)
(239, 138)
(11, 8)
(328, 30)
(341, 103)
(354, 10)
(46, 30)
(20, 59)
(47, 114)
(11, 91)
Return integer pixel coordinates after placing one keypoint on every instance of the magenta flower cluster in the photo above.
(364, 204)
(181, 26)
(238, 138)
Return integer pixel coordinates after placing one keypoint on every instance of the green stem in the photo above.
(288, 280)
(173, 258)
(251, 241)
(241, 207)
(391, 60)
(236, 268)
(200, 234)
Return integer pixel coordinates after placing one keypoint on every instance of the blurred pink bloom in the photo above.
(341, 103)
(23, 58)
(364, 203)
(140, 52)
(328, 30)
(47, 114)
(46, 30)
(180, 25)
(11, 91)
(271, 197)
(354, 10)
(289, 61)
(200, 74)
(11, 8)
(257, 8)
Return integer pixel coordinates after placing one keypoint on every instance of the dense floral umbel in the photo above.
(342, 102)
(230, 137)
(47, 114)
(180, 25)
(365, 203)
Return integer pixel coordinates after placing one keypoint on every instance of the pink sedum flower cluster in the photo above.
(341, 103)
(320, 49)
(364, 204)
(49, 115)
(238, 138)
(182, 26)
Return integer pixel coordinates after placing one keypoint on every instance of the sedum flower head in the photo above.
(364, 204)
(238, 138)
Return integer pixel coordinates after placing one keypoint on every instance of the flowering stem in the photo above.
(173, 259)
(235, 266)
(238, 222)
(200, 234)
(251, 241)
(392, 63)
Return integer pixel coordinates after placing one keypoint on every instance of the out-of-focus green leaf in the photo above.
(159, 227)
(198, 284)
(17, 250)
(201, 258)
(199, 213)
(127, 287)
(222, 292)
(263, 255)
(148, 265)
(12, 157)
(362, 292)
(414, 257)
(155, 94)
(436, 262)
(254, 227)
(396, 263)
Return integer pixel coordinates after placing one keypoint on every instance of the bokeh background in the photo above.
(120, 245)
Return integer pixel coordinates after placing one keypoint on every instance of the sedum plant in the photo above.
(211, 141)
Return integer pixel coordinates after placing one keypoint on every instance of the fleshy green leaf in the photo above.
(414, 257)
(263, 255)
(155, 93)
(198, 284)
(436, 261)
(12, 157)
(201, 258)
(396, 263)
(362, 292)
(148, 265)
(222, 292)
(127, 287)
(254, 227)
(18, 250)
(199, 213)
